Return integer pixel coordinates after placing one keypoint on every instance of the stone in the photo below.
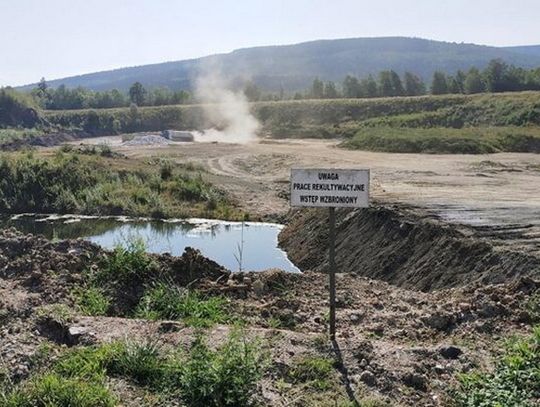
(450, 352)
(367, 377)
(415, 380)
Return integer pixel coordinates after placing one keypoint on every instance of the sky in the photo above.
(59, 38)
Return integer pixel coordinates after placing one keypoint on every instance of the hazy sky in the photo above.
(58, 38)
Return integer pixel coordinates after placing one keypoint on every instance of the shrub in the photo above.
(167, 301)
(220, 378)
(128, 263)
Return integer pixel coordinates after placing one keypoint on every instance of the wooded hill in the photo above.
(293, 67)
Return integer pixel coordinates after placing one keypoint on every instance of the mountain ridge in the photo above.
(294, 66)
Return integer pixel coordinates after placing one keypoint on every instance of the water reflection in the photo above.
(217, 240)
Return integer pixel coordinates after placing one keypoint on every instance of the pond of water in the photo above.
(224, 242)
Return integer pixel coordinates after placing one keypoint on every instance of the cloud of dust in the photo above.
(226, 109)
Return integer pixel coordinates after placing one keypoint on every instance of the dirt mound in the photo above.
(51, 269)
(44, 140)
(402, 248)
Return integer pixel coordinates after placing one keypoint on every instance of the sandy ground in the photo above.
(498, 195)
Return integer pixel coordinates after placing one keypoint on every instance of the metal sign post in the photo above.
(330, 188)
(332, 269)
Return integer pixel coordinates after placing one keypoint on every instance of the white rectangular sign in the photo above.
(330, 188)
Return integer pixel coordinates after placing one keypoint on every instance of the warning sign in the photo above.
(336, 188)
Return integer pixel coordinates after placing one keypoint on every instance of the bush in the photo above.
(127, 264)
(220, 378)
(514, 383)
(167, 301)
(83, 181)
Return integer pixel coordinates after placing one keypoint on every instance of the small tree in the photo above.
(473, 82)
(368, 87)
(137, 94)
(414, 85)
(330, 91)
(439, 86)
(351, 87)
(317, 89)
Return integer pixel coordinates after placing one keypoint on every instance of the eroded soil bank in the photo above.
(403, 247)
(396, 345)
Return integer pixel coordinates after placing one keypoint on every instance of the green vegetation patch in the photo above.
(315, 371)
(199, 376)
(92, 300)
(169, 301)
(95, 185)
(445, 140)
(515, 382)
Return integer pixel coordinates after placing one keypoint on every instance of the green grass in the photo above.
(200, 376)
(445, 140)
(52, 390)
(128, 263)
(515, 382)
(314, 371)
(141, 362)
(168, 301)
(92, 300)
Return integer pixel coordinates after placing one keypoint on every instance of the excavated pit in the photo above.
(403, 248)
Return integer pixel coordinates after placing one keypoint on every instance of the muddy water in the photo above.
(218, 240)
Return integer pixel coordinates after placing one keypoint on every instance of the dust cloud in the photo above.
(226, 109)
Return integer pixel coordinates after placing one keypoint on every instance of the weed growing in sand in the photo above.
(54, 390)
(58, 313)
(223, 377)
(91, 300)
(168, 301)
(532, 308)
(314, 371)
(200, 376)
(515, 381)
(128, 262)
(139, 361)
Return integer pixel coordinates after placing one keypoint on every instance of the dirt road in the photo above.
(498, 195)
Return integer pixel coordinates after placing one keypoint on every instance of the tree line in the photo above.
(63, 98)
(496, 77)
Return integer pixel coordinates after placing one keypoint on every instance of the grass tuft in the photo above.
(168, 301)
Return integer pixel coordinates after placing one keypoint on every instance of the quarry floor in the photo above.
(496, 196)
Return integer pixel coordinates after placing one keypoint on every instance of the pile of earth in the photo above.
(402, 247)
(43, 140)
(399, 345)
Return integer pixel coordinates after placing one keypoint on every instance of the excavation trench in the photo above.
(402, 248)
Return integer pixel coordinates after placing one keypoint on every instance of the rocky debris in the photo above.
(147, 140)
(450, 352)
